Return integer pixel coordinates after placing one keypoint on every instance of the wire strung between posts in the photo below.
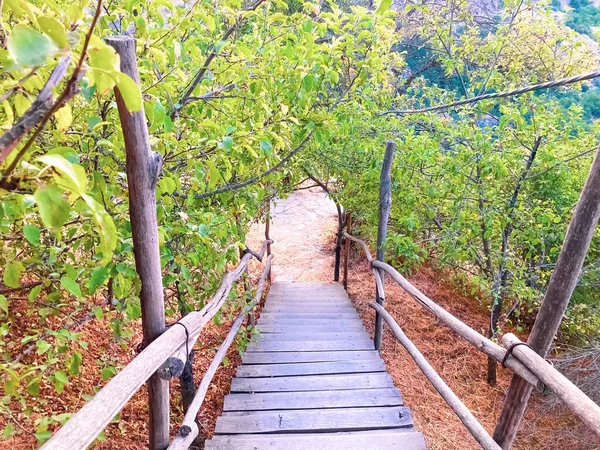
(523, 90)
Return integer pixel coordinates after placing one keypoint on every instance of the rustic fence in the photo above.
(524, 360)
(166, 356)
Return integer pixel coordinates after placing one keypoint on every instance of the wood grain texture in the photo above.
(299, 357)
(313, 336)
(312, 383)
(380, 440)
(313, 399)
(322, 420)
(309, 346)
(322, 368)
(317, 328)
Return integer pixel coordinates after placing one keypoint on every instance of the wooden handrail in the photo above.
(189, 429)
(521, 359)
(81, 430)
(459, 408)
(482, 343)
(579, 403)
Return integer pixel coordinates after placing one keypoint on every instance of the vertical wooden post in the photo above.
(347, 248)
(338, 241)
(558, 293)
(267, 236)
(385, 205)
(143, 168)
(251, 318)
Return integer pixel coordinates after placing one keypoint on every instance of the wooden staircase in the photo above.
(312, 380)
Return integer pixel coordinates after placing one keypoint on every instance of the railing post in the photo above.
(347, 248)
(385, 204)
(143, 169)
(267, 232)
(556, 299)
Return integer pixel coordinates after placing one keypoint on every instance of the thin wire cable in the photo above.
(523, 90)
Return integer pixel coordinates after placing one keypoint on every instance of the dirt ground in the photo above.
(303, 229)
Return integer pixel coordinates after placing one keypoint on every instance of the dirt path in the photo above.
(303, 228)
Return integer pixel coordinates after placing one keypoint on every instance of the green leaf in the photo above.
(383, 6)
(71, 286)
(75, 363)
(43, 435)
(107, 373)
(34, 293)
(12, 274)
(33, 388)
(32, 234)
(129, 90)
(9, 429)
(55, 30)
(266, 146)
(72, 175)
(29, 47)
(107, 230)
(228, 143)
(215, 176)
(99, 276)
(54, 209)
(61, 376)
(3, 304)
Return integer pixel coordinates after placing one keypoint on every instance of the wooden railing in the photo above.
(166, 356)
(515, 355)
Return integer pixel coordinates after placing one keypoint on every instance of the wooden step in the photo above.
(313, 399)
(311, 420)
(378, 440)
(320, 368)
(309, 346)
(311, 336)
(308, 329)
(312, 383)
(301, 357)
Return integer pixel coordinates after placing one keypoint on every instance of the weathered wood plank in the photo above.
(312, 399)
(292, 309)
(315, 336)
(322, 328)
(299, 357)
(309, 346)
(307, 315)
(378, 440)
(323, 420)
(312, 383)
(320, 368)
(316, 321)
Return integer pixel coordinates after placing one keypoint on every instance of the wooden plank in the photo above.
(378, 440)
(304, 336)
(300, 357)
(312, 399)
(327, 328)
(312, 383)
(322, 420)
(316, 321)
(309, 346)
(312, 368)
(292, 309)
(308, 315)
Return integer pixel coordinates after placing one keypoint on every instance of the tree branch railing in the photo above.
(164, 355)
(519, 358)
